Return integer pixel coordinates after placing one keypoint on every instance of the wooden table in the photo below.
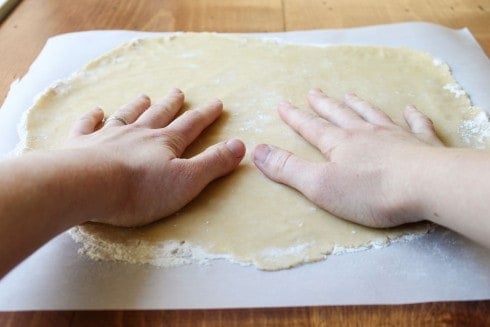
(27, 28)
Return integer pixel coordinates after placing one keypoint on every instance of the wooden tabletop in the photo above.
(32, 22)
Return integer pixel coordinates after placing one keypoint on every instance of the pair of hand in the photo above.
(362, 148)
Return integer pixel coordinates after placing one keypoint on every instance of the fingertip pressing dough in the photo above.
(245, 217)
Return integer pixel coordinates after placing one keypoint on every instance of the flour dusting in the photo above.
(455, 89)
(162, 254)
(475, 132)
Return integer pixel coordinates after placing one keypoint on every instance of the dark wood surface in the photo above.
(24, 32)
(427, 314)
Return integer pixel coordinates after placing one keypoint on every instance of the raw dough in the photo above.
(245, 217)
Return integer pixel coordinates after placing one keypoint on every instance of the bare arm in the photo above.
(124, 175)
(379, 174)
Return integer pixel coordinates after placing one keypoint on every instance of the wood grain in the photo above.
(25, 31)
(427, 314)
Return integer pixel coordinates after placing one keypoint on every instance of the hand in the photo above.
(149, 175)
(362, 178)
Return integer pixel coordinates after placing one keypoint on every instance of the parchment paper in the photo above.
(440, 266)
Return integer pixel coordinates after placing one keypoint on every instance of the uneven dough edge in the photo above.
(175, 253)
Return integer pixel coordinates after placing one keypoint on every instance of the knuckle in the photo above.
(279, 164)
(306, 124)
(223, 155)
(424, 124)
(192, 115)
(162, 107)
(175, 142)
(123, 113)
(428, 122)
(142, 100)
(220, 157)
(192, 118)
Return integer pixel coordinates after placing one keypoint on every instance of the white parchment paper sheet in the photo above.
(441, 266)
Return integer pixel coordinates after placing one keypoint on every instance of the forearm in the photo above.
(450, 187)
(43, 194)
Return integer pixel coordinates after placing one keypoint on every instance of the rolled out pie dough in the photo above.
(245, 217)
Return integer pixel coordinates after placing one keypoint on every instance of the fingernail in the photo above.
(175, 90)
(316, 91)
(217, 101)
(284, 105)
(261, 153)
(236, 147)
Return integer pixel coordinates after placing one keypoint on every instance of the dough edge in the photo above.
(174, 253)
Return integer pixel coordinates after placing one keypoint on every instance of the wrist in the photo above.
(409, 182)
(93, 184)
(430, 179)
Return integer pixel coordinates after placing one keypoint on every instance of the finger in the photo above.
(216, 161)
(88, 123)
(417, 121)
(367, 111)
(130, 112)
(316, 130)
(184, 129)
(421, 125)
(162, 113)
(284, 167)
(335, 112)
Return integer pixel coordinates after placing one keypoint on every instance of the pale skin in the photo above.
(379, 174)
(375, 173)
(125, 175)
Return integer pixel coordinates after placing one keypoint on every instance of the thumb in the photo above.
(284, 167)
(87, 123)
(216, 161)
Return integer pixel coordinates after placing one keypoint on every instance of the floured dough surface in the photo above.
(245, 217)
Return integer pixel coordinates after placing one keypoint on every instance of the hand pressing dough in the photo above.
(245, 217)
